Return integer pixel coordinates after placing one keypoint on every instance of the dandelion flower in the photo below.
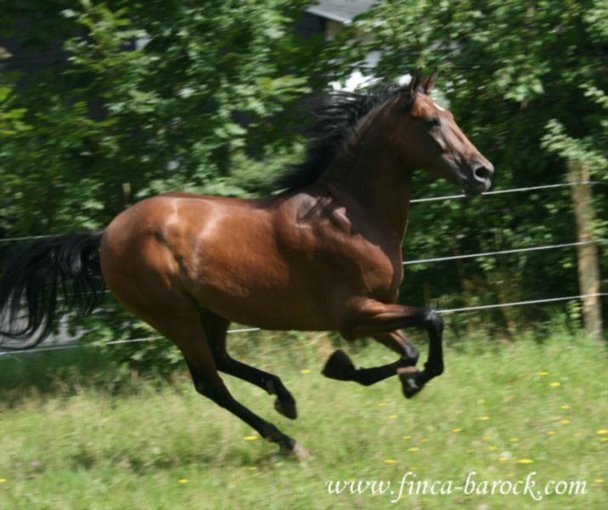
(598, 481)
(544, 373)
(390, 461)
(483, 418)
(251, 438)
(565, 421)
(565, 407)
(306, 371)
(413, 449)
(457, 429)
(392, 417)
(602, 432)
(3, 480)
(182, 480)
(524, 461)
(555, 384)
(551, 432)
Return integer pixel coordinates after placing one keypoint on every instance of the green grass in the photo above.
(77, 446)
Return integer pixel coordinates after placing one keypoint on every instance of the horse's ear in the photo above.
(412, 87)
(428, 84)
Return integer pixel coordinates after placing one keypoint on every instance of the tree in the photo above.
(151, 96)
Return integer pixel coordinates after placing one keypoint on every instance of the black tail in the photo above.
(46, 279)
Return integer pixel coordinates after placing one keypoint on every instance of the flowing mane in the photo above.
(340, 115)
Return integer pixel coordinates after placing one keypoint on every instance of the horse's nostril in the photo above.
(483, 173)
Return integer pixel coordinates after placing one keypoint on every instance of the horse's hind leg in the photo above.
(339, 366)
(216, 328)
(177, 317)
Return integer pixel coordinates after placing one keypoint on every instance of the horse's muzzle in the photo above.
(479, 179)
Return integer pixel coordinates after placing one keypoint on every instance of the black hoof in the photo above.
(339, 366)
(286, 408)
(409, 377)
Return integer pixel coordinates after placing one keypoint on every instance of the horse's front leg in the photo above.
(371, 317)
(340, 367)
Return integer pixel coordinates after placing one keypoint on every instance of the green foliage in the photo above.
(153, 97)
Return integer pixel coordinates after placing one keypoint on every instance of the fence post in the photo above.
(587, 254)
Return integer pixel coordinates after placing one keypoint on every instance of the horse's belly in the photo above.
(269, 309)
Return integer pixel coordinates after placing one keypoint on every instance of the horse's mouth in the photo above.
(472, 187)
(472, 190)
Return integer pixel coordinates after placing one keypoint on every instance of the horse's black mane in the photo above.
(339, 114)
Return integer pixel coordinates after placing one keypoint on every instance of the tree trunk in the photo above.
(587, 254)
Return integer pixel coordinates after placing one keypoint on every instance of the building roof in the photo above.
(342, 11)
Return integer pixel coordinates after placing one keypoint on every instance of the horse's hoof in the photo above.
(339, 366)
(409, 381)
(297, 452)
(286, 408)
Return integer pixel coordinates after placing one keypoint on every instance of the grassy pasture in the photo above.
(69, 439)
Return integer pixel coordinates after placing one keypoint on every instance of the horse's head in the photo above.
(428, 137)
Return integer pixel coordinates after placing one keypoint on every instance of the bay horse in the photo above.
(322, 255)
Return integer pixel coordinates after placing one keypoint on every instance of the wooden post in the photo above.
(587, 254)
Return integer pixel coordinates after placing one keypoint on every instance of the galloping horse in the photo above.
(324, 254)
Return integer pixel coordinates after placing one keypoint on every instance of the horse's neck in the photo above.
(380, 189)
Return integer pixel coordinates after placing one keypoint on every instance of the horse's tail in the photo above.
(44, 280)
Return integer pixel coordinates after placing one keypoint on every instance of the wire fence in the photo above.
(406, 263)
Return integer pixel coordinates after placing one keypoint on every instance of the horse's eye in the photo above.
(433, 121)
